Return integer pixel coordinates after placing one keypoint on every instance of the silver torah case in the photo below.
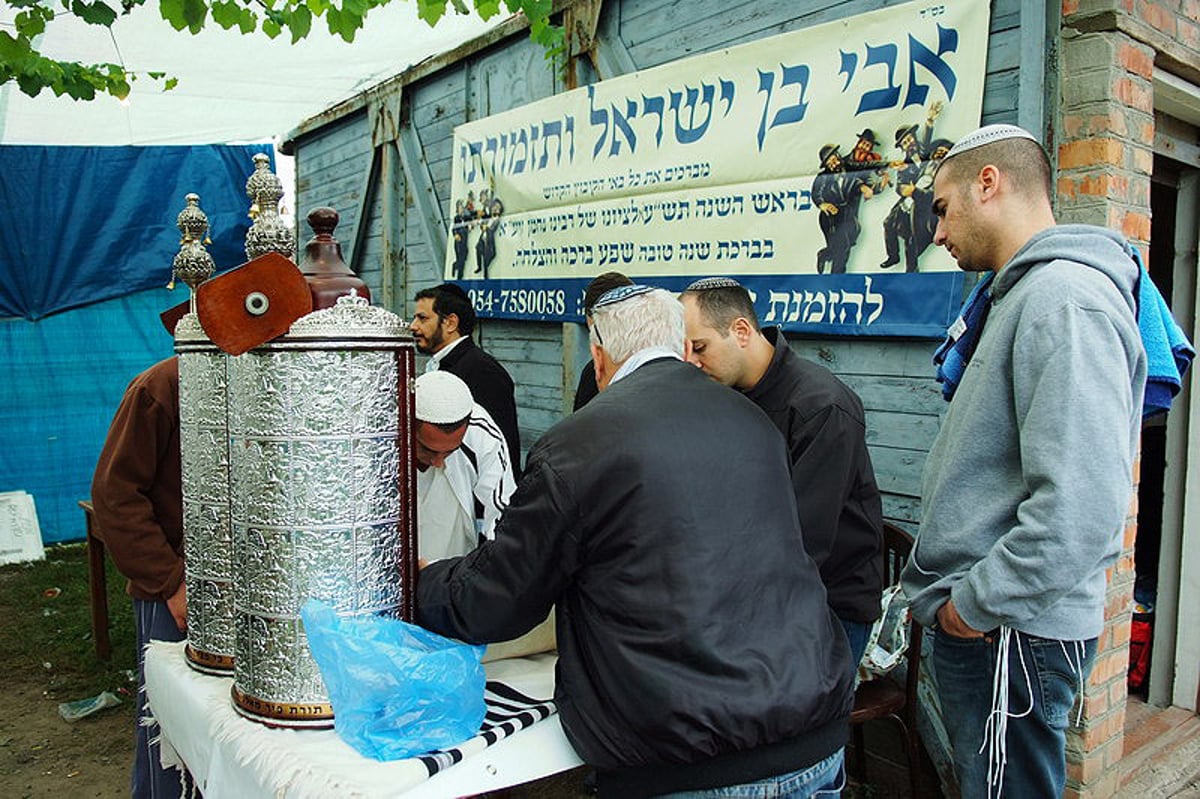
(322, 496)
(207, 541)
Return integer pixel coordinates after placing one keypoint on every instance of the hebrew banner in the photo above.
(800, 164)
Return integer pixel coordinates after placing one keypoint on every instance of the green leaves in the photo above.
(229, 14)
(490, 8)
(32, 22)
(344, 21)
(96, 13)
(20, 61)
(300, 22)
(431, 10)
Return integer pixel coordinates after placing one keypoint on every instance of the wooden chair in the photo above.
(885, 697)
(97, 584)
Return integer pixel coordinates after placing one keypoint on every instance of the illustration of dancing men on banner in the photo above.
(482, 219)
(844, 183)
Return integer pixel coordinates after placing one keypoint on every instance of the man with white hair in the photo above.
(696, 647)
(1028, 483)
(464, 477)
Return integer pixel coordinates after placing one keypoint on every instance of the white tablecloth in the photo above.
(232, 757)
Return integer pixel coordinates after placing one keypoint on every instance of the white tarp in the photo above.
(232, 88)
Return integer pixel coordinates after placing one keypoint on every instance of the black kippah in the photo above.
(707, 283)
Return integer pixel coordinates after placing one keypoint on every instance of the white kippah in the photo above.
(442, 398)
(987, 135)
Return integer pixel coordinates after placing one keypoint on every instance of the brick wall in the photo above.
(1104, 147)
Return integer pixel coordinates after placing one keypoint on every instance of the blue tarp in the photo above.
(92, 229)
(84, 224)
(62, 380)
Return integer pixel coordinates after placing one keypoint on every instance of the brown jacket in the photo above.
(137, 489)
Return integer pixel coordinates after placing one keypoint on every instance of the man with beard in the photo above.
(460, 231)
(837, 195)
(924, 222)
(441, 326)
(900, 226)
(863, 159)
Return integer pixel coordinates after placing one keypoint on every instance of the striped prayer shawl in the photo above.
(508, 711)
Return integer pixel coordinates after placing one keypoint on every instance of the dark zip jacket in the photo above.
(840, 511)
(492, 387)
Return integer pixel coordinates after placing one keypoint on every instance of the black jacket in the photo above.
(491, 387)
(840, 511)
(696, 648)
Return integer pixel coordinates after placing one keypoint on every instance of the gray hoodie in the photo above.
(1028, 484)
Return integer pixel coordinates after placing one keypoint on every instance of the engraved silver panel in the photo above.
(207, 539)
(320, 475)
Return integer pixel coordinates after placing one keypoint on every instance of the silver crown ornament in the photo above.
(267, 233)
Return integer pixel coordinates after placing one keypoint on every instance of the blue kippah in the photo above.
(706, 283)
(621, 293)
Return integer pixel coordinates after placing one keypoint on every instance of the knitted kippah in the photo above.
(988, 134)
(620, 294)
(442, 398)
(706, 283)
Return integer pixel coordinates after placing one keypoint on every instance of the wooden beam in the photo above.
(420, 185)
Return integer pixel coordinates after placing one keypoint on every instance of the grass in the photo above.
(45, 635)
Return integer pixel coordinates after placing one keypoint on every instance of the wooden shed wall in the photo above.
(393, 196)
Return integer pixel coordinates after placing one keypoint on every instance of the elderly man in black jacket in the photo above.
(696, 647)
(823, 422)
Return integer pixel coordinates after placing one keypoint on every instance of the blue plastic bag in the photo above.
(397, 690)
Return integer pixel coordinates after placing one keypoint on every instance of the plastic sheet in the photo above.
(397, 690)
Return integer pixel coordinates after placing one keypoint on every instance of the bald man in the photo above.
(1027, 486)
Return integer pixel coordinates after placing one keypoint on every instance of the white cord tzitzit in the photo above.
(1080, 652)
(996, 728)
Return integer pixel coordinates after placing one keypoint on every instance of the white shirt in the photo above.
(478, 471)
(641, 357)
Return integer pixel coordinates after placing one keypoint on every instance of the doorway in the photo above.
(1161, 669)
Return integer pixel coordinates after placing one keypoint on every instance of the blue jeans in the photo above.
(857, 633)
(1044, 678)
(821, 779)
(150, 780)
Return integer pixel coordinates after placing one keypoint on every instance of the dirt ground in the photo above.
(43, 756)
(47, 657)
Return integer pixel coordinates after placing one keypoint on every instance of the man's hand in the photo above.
(951, 623)
(177, 604)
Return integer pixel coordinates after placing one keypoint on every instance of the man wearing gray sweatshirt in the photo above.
(1027, 486)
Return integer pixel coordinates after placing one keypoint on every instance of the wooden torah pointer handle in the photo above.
(252, 304)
